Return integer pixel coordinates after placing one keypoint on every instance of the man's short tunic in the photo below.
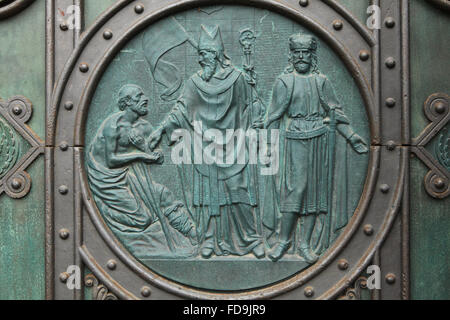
(223, 194)
(303, 103)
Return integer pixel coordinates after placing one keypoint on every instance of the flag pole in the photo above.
(247, 40)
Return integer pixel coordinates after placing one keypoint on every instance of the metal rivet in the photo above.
(64, 234)
(343, 264)
(390, 278)
(389, 22)
(368, 229)
(63, 26)
(385, 188)
(84, 67)
(63, 190)
(390, 62)
(439, 183)
(89, 282)
(363, 284)
(364, 55)
(17, 110)
(68, 105)
(146, 292)
(64, 146)
(338, 24)
(112, 265)
(63, 277)
(309, 292)
(390, 102)
(16, 184)
(440, 107)
(107, 34)
(390, 145)
(303, 3)
(139, 8)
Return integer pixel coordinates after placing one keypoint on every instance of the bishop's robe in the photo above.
(223, 194)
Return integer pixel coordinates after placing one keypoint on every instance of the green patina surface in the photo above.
(22, 228)
(22, 221)
(439, 147)
(14, 146)
(430, 218)
(357, 8)
(142, 236)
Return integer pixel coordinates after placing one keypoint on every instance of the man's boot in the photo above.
(280, 250)
(259, 251)
(307, 254)
(308, 223)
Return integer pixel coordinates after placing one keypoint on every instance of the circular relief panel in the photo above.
(215, 71)
(176, 118)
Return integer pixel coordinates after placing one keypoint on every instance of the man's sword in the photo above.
(331, 158)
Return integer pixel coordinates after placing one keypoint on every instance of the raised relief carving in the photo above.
(432, 145)
(99, 290)
(14, 159)
(311, 120)
(442, 4)
(217, 176)
(216, 98)
(142, 213)
(224, 222)
(9, 148)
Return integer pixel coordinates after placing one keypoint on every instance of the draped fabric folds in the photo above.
(301, 105)
(128, 200)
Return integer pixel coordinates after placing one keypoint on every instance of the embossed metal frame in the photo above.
(438, 121)
(19, 124)
(378, 206)
(14, 8)
(442, 4)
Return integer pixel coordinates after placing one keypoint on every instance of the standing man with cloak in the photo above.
(302, 104)
(224, 195)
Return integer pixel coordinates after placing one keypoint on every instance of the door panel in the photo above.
(429, 217)
(22, 235)
(51, 219)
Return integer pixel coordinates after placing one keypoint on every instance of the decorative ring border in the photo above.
(81, 120)
(442, 4)
(340, 243)
(14, 8)
(19, 123)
